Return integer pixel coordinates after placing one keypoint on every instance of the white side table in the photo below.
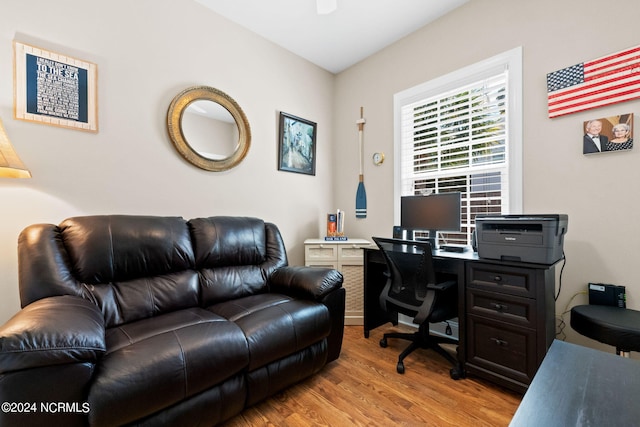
(347, 257)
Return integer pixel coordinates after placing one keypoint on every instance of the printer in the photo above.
(535, 239)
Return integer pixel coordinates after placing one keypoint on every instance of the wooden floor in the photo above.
(362, 388)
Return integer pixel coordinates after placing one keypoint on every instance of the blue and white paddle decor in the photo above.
(361, 194)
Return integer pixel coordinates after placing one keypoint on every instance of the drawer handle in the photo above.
(500, 343)
(499, 307)
(498, 278)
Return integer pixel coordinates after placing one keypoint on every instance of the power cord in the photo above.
(561, 325)
(564, 263)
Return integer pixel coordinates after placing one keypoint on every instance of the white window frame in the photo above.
(511, 60)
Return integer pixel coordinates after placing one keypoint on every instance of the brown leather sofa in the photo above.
(160, 321)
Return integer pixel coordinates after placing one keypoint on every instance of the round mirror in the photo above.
(208, 128)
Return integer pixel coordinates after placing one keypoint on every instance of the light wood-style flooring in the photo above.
(362, 388)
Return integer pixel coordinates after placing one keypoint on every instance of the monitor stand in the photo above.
(432, 239)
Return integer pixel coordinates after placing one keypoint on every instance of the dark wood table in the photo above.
(580, 386)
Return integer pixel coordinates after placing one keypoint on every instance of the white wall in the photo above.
(147, 51)
(597, 192)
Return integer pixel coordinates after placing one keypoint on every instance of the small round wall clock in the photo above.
(378, 158)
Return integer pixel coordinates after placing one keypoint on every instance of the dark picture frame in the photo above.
(297, 145)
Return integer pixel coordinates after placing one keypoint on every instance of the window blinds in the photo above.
(458, 141)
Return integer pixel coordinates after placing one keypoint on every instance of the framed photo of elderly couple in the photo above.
(608, 134)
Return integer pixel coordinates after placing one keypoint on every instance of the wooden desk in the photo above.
(506, 312)
(580, 386)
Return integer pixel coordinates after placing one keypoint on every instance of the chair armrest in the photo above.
(52, 331)
(309, 282)
(442, 286)
(427, 305)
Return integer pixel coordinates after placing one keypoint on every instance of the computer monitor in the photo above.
(432, 213)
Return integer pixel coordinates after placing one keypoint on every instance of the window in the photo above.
(463, 132)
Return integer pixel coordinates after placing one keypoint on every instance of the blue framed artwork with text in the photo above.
(54, 89)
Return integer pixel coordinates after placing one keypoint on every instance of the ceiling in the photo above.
(334, 41)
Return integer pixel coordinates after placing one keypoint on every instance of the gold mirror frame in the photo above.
(174, 125)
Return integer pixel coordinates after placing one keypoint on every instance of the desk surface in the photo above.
(468, 255)
(580, 386)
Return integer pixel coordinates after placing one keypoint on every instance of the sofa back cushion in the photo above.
(235, 256)
(115, 248)
(132, 267)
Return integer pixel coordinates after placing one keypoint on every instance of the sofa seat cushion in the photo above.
(276, 325)
(154, 363)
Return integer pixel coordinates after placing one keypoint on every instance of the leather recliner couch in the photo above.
(148, 320)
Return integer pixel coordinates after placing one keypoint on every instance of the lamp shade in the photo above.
(10, 164)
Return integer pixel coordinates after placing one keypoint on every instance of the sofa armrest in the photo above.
(309, 282)
(52, 331)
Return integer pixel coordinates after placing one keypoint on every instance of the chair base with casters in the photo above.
(423, 339)
(619, 327)
(413, 289)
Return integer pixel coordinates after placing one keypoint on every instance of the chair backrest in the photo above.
(410, 261)
(409, 289)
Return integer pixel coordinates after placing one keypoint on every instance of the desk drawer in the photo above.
(506, 308)
(504, 279)
(501, 348)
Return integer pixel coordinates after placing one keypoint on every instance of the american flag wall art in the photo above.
(592, 84)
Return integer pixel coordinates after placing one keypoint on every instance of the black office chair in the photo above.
(411, 289)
